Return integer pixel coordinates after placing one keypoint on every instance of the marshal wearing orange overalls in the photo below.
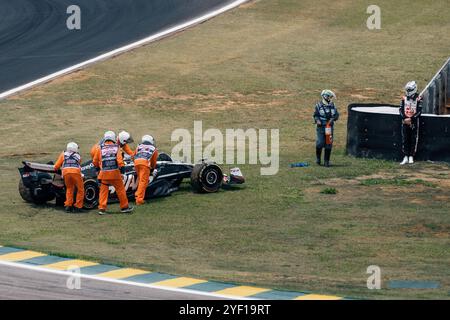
(70, 163)
(145, 158)
(109, 159)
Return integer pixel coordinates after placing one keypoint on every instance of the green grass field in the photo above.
(260, 66)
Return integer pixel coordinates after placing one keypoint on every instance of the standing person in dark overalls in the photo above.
(325, 115)
(410, 112)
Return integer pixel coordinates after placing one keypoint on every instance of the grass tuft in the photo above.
(329, 191)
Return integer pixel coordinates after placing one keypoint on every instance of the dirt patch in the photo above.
(445, 198)
(426, 174)
(155, 93)
(430, 180)
(363, 94)
(359, 96)
(346, 193)
(78, 76)
(342, 182)
(111, 101)
(219, 102)
(230, 104)
(428, 229)
(249, 4)
(86, 102)
(27, 154)
(27, 94)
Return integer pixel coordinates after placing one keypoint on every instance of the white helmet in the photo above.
(72, 147)
(125, 137)
(328, 95)
(109, 136)
(411, 88)
(149, 139)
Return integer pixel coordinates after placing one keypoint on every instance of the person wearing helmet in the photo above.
(70, 163)
(124, 140)
(325, 114)
(145, 158)
(410, 112)
(109, 160)
(97, 146)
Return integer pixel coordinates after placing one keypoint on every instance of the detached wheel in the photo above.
(25, 193)
(206, 178)
(41, 197)
(91, 194)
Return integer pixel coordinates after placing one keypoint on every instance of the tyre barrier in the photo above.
(374, 131)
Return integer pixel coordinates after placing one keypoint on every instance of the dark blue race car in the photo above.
(40, 183)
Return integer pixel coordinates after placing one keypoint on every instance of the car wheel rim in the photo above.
(211, 177)
(90, 194)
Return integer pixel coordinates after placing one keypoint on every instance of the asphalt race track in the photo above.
(35, 40)
(20, 284)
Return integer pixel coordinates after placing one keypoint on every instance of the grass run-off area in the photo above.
(260, 66)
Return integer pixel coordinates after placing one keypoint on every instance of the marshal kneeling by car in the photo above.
(40, 183)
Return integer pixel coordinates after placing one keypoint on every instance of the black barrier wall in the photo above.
(378, 135)
(436, 95)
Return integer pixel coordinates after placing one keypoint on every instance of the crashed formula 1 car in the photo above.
(40, 183)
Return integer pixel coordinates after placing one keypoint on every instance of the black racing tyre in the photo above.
(206, 178)
(28, 196)
(91, 194)
(59, 201)
(25, 192)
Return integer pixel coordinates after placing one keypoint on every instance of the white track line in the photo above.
(123, 49)
(118, 281)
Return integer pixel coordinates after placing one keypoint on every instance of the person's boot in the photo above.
(127, 210)
(319, 156)
(68, 209)
(405, 161)
(327, 157)
(77, 210)
(411, 160)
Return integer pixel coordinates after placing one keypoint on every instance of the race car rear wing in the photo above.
(49, 168)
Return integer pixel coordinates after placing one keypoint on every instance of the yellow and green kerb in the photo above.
(163, 280)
